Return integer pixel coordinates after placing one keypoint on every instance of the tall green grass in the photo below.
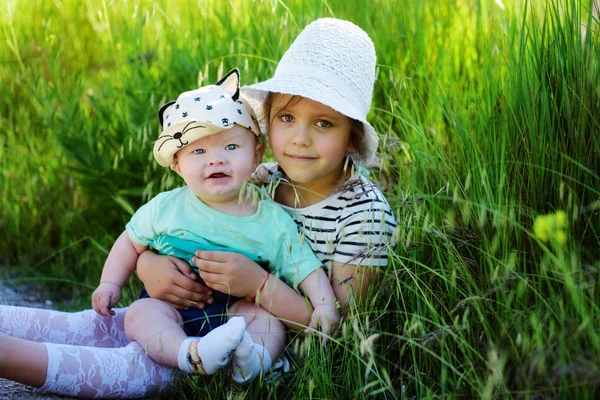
(489, 115)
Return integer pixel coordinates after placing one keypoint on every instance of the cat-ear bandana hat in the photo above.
(199, 113)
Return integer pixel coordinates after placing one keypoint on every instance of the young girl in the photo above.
(322, 85)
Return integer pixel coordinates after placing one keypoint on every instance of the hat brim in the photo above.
(313, 88)
(167, 145)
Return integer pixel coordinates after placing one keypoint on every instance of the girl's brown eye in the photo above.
(324, 124)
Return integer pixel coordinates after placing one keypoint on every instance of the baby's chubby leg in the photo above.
(263, 341)
(157, 327)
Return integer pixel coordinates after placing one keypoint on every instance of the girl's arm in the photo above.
(369, 235)
(317, 288)
(172, 280)
(118, 267)
(350, 278)
(238, 275)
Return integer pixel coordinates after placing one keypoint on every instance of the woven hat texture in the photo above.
(332, 62)
(199, 113)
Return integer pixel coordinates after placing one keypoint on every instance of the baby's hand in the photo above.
(105, 297)
(327, 317)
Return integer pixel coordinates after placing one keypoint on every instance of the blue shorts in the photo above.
(198, 322)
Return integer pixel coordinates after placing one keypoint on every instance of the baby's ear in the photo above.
(231, 83)
(175, 165)
(165, 108)
(259, 152)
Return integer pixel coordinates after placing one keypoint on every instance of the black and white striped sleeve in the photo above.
(366, 232)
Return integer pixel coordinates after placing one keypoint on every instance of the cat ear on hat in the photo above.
(164, 109)
(231, 83)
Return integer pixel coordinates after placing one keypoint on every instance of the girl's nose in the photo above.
(301, 136)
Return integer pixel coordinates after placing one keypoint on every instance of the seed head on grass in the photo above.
(366, 345)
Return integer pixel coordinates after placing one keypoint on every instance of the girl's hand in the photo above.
(172, 280)
(327, 317)
(229, 272)
(105, 297)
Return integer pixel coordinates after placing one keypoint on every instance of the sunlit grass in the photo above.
(489, 112)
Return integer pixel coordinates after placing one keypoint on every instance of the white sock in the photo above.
(249, 359)
(208, 354)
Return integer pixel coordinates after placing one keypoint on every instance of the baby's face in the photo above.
(216, 166)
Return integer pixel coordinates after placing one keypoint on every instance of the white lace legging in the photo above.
(88, 355)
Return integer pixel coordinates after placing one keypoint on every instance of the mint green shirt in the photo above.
(270, 234)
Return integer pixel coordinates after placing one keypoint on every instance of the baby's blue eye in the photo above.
(324, 124)
(287, 118)
(231, 146)
(198, 151)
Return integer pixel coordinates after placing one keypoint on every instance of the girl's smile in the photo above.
(300, 157)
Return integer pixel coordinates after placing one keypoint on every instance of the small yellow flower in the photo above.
(560, 218)
(551, 227)
(561, 237)
(541, 227)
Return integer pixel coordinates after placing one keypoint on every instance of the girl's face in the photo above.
(309, 140)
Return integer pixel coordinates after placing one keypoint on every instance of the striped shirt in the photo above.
(354, 225)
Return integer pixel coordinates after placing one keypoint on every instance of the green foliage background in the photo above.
(489, 116)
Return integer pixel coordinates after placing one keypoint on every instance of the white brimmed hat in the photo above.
(199, 113)
(332, 62)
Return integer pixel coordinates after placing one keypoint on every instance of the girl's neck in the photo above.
(300, 195)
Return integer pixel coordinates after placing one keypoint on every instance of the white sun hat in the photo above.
(332, 62)
(199, 113)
